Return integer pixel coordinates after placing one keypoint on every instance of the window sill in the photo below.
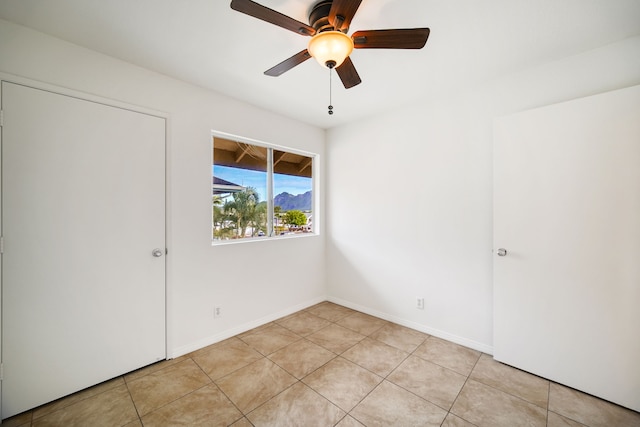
(263, 239)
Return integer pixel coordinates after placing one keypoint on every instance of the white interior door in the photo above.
(567, 210)
(83, 207)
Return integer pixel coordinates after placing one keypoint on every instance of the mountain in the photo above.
(289, 202)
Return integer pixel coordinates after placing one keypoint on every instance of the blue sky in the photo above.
(258, 180)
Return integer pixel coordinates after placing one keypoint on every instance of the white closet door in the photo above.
(83, 207)
(567, 211)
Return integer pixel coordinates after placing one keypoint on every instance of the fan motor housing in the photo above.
(319, 16)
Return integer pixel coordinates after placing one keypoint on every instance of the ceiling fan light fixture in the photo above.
(330, 48)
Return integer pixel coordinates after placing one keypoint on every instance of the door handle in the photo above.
(502, 252)
(157, 252)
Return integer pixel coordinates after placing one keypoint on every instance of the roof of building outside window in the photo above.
(222, 186)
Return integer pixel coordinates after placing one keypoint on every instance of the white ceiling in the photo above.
(206, 43)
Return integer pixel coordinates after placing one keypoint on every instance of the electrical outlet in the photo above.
(420, 303)
(217, 312)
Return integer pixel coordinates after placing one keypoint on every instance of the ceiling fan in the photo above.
(330, 45)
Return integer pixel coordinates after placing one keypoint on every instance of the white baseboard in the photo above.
(417, 326)
(212, 339)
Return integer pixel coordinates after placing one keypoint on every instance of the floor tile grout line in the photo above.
(508, 394)
(468, 376)
(478, 380)
(551, 382)
(458, 416)
(33, 410)
(176, 399)
(396, 368)
(308, 340)
(231, 401)
(548, 401)
(230, 372)
(298, 381)
(212, 382)
(339, 355)
(462, 388)
(362, 400)
(347, 312)
(569, 418)
(173, 362)
(244, 415)
(263, 356)
(309, 373)
(334, 355)
(334, 403)
(386, 378)
(421, 397)
(126, 384)
(446, 367)
(441, 366)
(369, 370)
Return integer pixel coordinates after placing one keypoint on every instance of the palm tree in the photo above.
(259, 223)
(223, 225)
(242, 210)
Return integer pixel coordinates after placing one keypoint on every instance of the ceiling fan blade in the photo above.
(408, 38)
(348, 74)
(342, 12)
(263, 13)
(288, 64)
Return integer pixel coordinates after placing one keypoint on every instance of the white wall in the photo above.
(243, 279)
(426, 171)
(413, 216)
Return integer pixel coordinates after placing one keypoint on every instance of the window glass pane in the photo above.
(239, 190)
(292, 193)
(259, 191)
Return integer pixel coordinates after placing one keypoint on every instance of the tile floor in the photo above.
(330, 366)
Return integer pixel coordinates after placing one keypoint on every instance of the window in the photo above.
(259, 191)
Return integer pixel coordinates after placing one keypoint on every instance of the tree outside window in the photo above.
(259, 191)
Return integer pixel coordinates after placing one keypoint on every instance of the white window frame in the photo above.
(270, 196)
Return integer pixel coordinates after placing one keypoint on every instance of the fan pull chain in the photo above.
(330, 94)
